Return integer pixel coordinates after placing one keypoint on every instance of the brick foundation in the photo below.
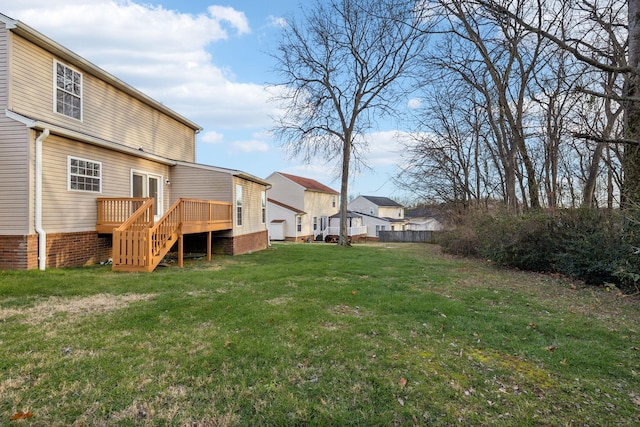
(223, 244)
(250, 243)
(18, 252)
(63, 250)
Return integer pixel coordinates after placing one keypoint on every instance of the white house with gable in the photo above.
(299, 208)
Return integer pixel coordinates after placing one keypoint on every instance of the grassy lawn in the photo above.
(314, 334)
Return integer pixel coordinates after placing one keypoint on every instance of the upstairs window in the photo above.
(68, 91)
(85, 175)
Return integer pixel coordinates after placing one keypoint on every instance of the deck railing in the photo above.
(113, 211)
(351, 231)
(140, 245)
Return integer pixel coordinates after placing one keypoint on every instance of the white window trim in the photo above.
(69, 158)
(239, 218)
(55, 90)
(160, 211)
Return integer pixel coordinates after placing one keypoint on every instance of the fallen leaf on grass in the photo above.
(322, 401)
(21, 416)
(402, 382)
(551, 348)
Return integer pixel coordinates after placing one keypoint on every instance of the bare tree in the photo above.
(619, 55)
(342, 65)
(497, 59)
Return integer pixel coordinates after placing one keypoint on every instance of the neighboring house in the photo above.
(425, 218)
(356, 228)
(299, 208)
(379, 214)
(91, 168)
(382, 207)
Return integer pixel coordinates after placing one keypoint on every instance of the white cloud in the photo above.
(237, 19)
(275, 21)
(414, 103)
(211, 137)
(251, 146)
(384, 148)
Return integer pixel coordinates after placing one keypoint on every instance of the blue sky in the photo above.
(208, 61)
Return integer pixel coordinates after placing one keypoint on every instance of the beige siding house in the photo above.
(84, 155)
(300, 207)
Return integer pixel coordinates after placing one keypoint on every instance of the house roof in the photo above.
(233, 172)
(39, 39)
(383, 201)
(88, 139)
(282, 205)
(350, 214)
(309, 184)
(383, 218)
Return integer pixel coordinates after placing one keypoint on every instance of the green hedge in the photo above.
(595, 246)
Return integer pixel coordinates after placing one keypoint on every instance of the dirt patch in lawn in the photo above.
(75, 306)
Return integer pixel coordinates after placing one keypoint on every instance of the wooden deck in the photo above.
(139, 243)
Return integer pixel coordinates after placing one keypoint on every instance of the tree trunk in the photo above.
(344, 190)
(631, 159)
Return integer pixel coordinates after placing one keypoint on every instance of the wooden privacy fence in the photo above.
(413, 236)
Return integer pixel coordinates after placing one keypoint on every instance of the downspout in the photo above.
(42, 235)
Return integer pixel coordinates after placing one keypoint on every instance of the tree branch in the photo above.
(604, 140)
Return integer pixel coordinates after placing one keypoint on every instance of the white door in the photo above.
(148, 185)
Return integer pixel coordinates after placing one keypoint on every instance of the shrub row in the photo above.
(595, 246)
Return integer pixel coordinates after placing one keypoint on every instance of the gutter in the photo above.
(42, 234)
(88, 139)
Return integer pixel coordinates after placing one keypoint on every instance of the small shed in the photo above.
(276, 229)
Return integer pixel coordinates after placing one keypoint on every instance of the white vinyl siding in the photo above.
(15, 178)
(251, 207)
(107, 112)
(200, 183)
(69, 211)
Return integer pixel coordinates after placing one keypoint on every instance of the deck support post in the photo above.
(209, 242)
(180, 250)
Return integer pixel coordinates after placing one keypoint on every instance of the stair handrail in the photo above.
(144, 211)
(164, 230)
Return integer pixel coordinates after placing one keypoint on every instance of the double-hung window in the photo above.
(263, 197)
(84, 175)
(68, 91)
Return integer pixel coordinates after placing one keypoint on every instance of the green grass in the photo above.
(316, 335)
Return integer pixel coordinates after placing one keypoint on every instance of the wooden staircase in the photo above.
(139, 244)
